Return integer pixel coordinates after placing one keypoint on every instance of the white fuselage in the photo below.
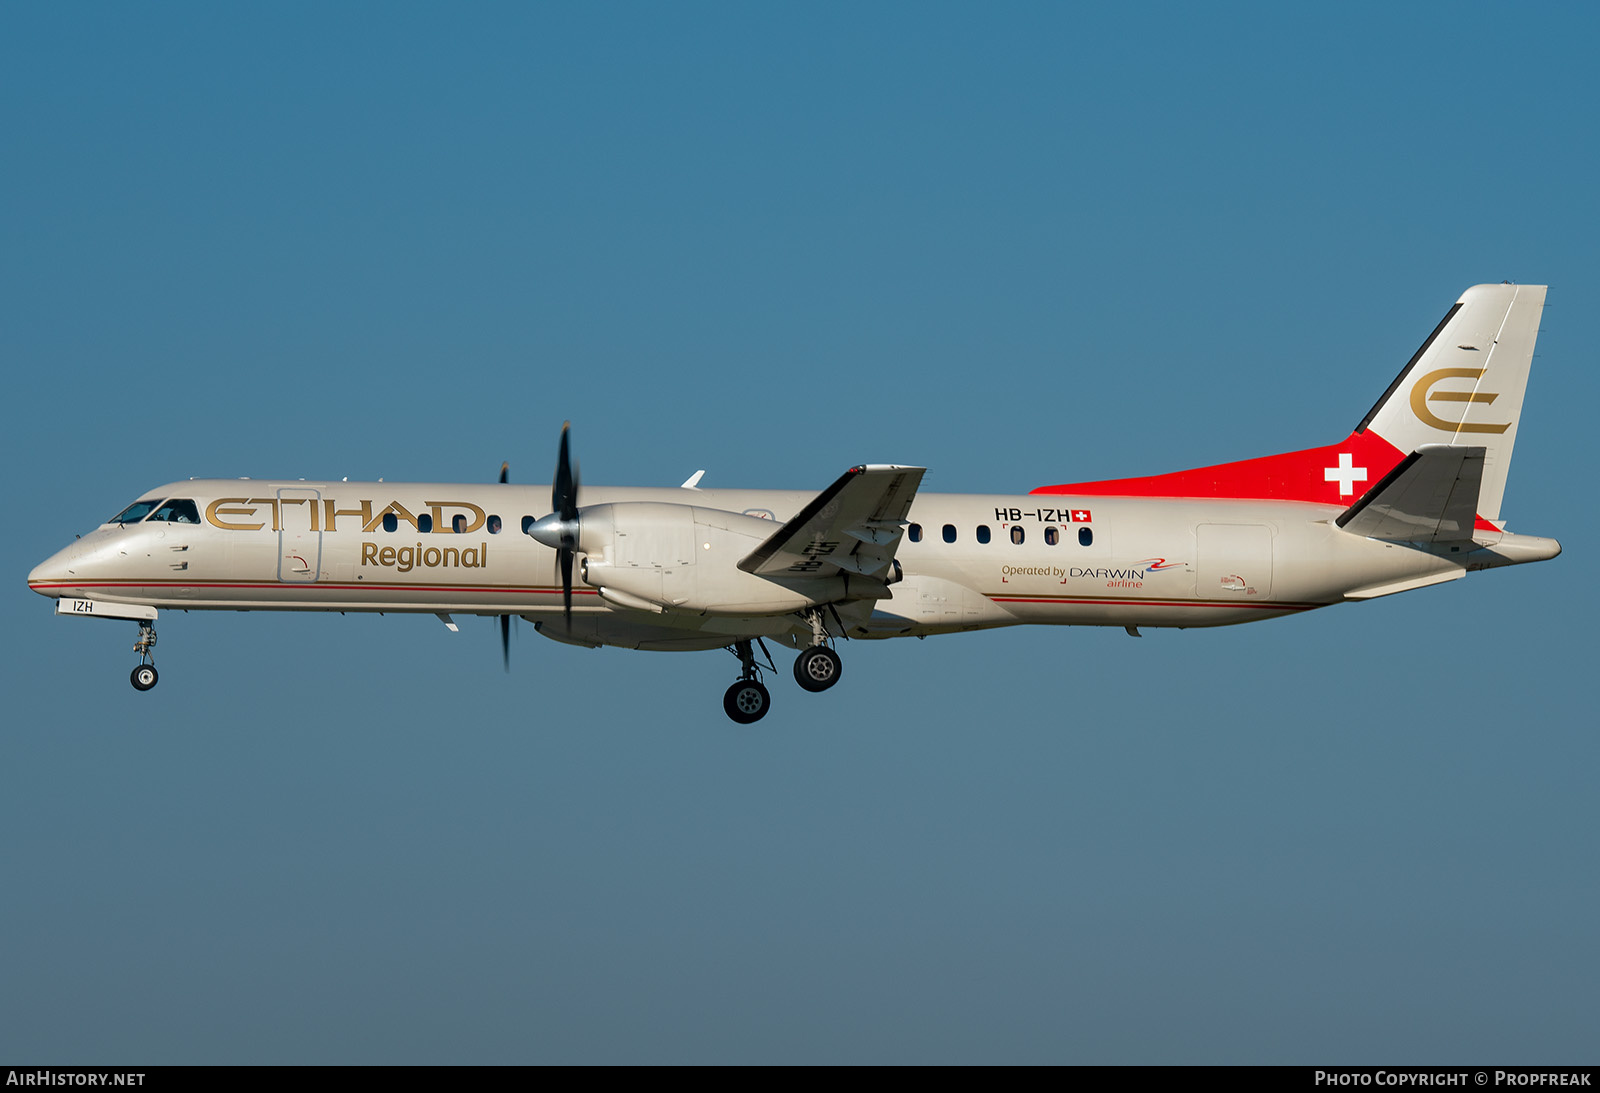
(324, 546)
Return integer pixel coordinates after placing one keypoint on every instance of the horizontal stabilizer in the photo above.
(1430, 496)
(853, 526)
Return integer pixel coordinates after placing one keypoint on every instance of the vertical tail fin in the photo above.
(1465, 385)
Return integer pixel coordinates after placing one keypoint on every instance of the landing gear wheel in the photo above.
(144, 677)
(817, 668)
(747, 701)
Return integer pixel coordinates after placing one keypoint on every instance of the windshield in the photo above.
(135, 512)
(177, 511)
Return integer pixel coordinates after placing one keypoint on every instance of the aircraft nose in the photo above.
(51, 575)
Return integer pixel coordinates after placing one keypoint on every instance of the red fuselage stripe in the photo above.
(537, 591)
(1113, 602)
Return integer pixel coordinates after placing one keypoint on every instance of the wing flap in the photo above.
(1430, 496)
(876, 532)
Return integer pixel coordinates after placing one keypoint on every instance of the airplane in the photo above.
(1411, 498)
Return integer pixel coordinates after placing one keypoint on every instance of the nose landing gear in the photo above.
(144, 676)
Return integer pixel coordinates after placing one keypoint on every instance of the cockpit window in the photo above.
(177, 511)
(135, 512)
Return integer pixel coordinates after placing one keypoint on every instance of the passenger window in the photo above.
(390, 522)
(983, 533)
(425, 523)
(914, 532)
(527, 522)
(134, 512)
(1052, 535)
(494, 524)
(1017, 534)
(458, 523)
(1085, 536)
(949, 533)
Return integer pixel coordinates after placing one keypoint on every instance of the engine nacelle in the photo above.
(655, 556)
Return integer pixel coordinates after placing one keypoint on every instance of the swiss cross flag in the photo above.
(1081, 516)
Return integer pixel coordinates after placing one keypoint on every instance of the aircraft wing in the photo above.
(853, 526)
(1430, 496)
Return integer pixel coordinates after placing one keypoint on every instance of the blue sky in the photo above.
(1019, 245)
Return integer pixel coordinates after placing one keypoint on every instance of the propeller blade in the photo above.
(564, 492)
(505, 620)
(565, 557)
(561, 530)
(564, 500)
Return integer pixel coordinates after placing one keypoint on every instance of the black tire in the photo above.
(747, 701)
(144, 677)
(817, 668)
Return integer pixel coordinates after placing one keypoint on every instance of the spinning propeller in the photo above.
(559, 530)
(505, 620)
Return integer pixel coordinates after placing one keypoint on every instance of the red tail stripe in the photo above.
(1318, 475)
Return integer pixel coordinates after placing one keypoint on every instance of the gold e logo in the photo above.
(1423, 391)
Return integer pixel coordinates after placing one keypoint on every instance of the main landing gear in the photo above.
(816, 669)
(748, 700)
(144, 677)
